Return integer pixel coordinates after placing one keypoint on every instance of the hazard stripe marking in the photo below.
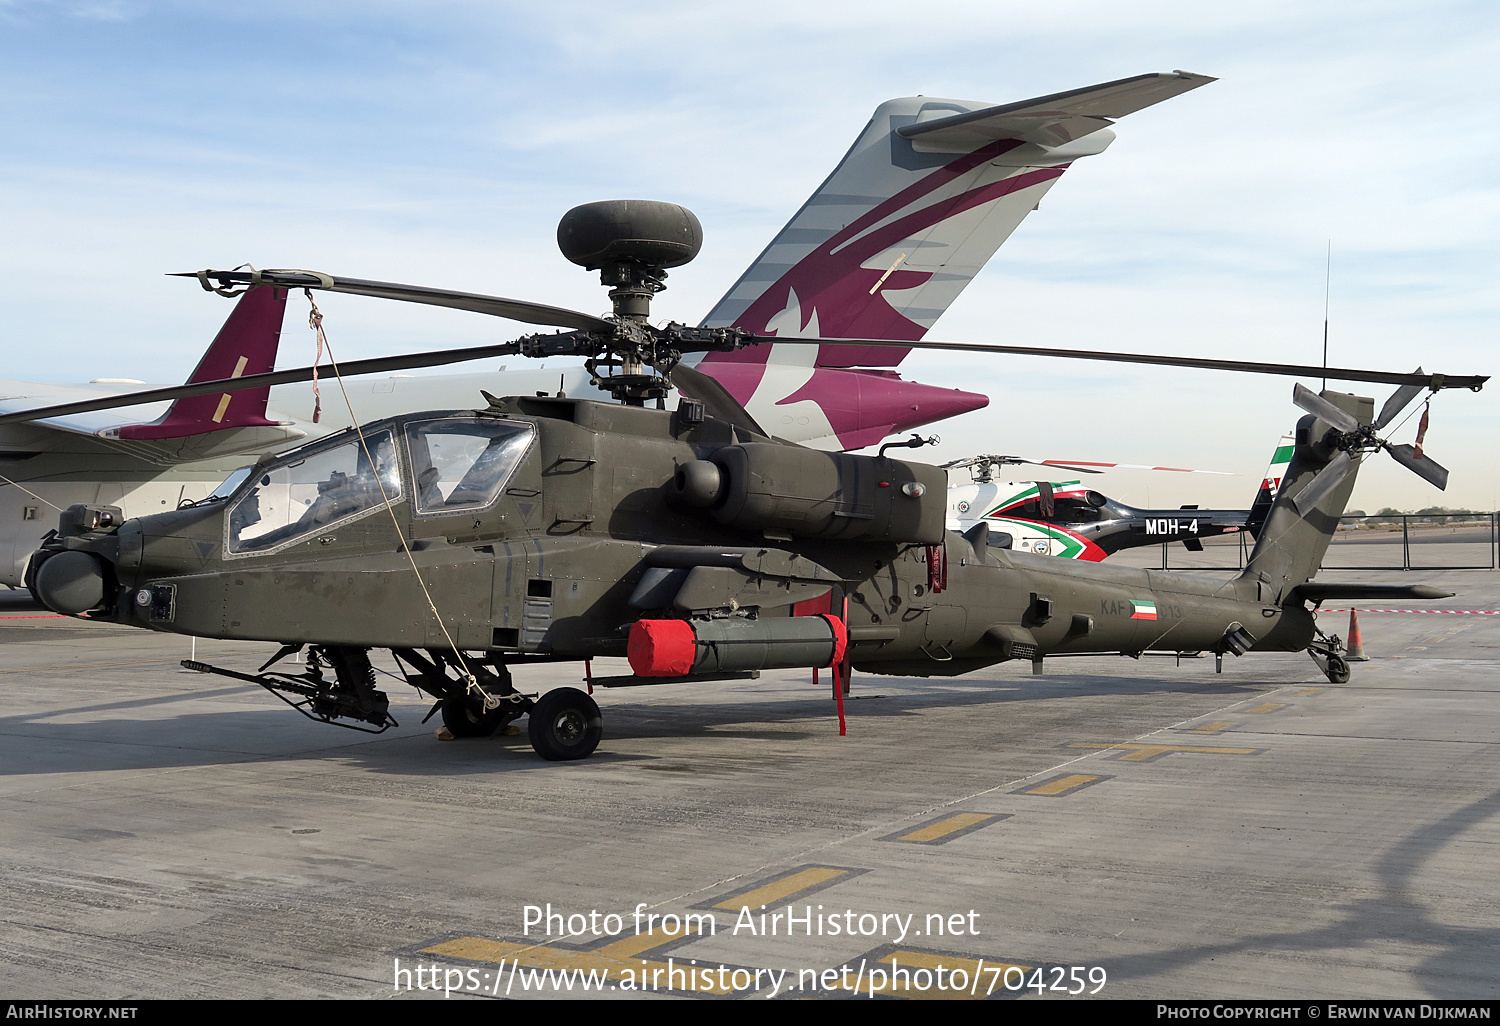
(1267, 707)
(947, 828)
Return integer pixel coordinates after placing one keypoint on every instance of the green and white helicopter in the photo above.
(1070, 520)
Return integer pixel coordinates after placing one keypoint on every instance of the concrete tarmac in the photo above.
(1171, 832)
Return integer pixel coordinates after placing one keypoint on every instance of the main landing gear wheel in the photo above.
(565, 724)
(466, 717)
(1338, 670)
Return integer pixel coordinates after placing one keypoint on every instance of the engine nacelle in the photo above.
(804, 493)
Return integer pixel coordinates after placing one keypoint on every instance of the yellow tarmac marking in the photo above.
(632, 947)
(782, 888)
(1214, 728)
(1146, 753)
(1308, 693)
(1062, 785)
(616, 960)
(944, 827)
(1267, 707)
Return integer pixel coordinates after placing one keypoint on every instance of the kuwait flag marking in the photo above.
(1143, 610)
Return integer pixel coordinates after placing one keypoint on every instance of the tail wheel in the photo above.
(565, 724)
(1338, 670)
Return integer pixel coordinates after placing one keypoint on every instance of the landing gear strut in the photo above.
(565, 723)
(469, 710)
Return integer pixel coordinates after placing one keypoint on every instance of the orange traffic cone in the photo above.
(1356, 648)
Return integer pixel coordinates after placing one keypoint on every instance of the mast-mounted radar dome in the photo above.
(630, 243)
(644, 232)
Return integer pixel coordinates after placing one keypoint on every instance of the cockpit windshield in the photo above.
(315, 491)
(462, 463)
(231, 485)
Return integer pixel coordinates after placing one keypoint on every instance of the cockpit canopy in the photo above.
(454, 464)
(462, 463)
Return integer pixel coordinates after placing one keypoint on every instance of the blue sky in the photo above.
(437, 143)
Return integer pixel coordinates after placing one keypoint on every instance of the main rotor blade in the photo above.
(1324, 410)
(1084, 466)
(714, 397)
(495, 306)
(1004, 461)
(1397, 402)
(1076, 466)
(1424, 466)
(1059, 464)
(351, 368)
(1433, 381)
(1326, 481)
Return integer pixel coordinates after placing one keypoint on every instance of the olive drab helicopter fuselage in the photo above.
(542, 528)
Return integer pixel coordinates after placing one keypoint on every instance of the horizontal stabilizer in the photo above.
(1316, 593)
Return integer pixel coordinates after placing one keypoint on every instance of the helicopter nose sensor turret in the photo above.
(71, 582)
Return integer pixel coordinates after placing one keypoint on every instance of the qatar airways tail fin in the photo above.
(927, 194)
(246, 344)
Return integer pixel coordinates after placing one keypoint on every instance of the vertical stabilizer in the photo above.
(926, 195)
(246, 344)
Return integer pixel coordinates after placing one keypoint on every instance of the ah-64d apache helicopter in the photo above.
(539, 528)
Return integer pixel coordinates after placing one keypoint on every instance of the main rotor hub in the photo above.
(631, 243)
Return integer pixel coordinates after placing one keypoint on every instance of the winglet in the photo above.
(246, 344)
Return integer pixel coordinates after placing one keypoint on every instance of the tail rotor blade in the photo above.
(1424, 466)
(1398, 401)
(1326, 481)
(1324, 410)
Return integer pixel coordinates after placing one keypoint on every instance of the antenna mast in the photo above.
(1327, 282)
